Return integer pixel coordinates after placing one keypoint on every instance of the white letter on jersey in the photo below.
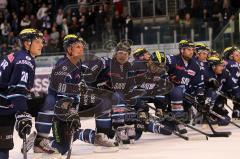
(4, 64)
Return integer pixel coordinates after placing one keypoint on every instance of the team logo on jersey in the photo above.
(64, 68)
(28, 58)
(191, 72)
(179, 67)
(10, 57)
(223, 81)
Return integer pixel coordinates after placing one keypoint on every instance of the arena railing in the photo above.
(229, 35)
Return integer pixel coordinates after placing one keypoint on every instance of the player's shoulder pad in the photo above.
(171, 59)
(23, 58)
(105, 61)
(231, 64)
(11, 57)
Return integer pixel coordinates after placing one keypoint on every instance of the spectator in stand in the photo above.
(129, 27)
(206, 17)
(178, 24)
(227, 11)
(33, 20)
(197, 6)
(64, 26)
(59, 19)
(46, 37)
(15, 23)
(25, 22)
(83, 28)
(216, 16)
(42, 12)
(187, 23)
(68, 16)
(117, 26)
(4, 50)
(100, 20)
(74, 27)
(11, 40)
(54, 37)
(3, 4)
(21, 13)
(1, 17)
(118, 6)
(15, 47)
(5, 29)
(46, 22)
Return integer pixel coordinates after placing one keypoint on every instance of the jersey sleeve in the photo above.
(21, 81)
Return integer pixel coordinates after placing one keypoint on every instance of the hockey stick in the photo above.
(223, 95)
(24, 147)
(70, 145)
(220, 116)
(174, 132)
(29, 141)
(180, 122)
(206, 114)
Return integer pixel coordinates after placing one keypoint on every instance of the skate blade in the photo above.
(44, 156)
(103, 149)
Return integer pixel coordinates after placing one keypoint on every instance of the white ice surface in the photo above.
(156, 146)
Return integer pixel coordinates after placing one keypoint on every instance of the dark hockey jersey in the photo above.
(113, 76)
(226, 84)
(17, 72)
(188, 74)
(65, 78)
(233, 68)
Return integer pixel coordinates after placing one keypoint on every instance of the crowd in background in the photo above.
(96, 20)
(207, 13)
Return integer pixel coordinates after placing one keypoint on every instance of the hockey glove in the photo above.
(23, 124)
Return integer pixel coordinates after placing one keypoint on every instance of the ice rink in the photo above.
(156, 146)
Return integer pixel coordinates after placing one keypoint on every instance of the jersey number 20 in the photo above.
(24, 76)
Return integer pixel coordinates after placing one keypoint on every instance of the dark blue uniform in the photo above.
(185, 75)
(17, 73)
(112, 76)
(233, 68)
(226, 85)
(63, 86)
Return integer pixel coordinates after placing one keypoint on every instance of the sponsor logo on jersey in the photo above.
(191, 72)
(25, 62)
(119, 86)
(10, 57)
(111, 74)
(148, 86)
(180, 67)
(64, 68)
(28, 58)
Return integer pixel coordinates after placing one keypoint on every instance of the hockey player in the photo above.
(232, 60)
(73, 46)
(219, 79)
(150, 72)
(17, 71)
(202, 52)
(113, 75)
(183, 71)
